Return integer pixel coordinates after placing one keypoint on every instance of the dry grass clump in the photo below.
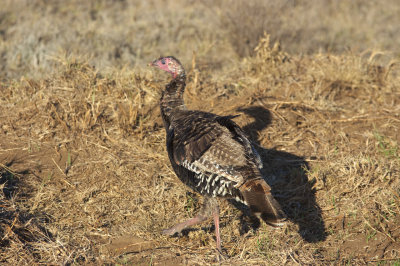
(85, 176)
(58, 120)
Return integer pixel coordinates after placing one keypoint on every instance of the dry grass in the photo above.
(83, 168)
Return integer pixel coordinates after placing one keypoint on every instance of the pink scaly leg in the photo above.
(204, 213)
(210, 207)
(179, 227)
(216, 224)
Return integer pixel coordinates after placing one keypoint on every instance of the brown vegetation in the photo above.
(84, 175)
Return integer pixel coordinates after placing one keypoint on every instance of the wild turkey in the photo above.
(212, 155)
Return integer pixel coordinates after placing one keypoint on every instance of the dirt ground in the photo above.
(84, 173)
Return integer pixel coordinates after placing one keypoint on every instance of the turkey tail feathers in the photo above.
(257, 195)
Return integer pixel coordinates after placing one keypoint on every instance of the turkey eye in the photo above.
(163, 61)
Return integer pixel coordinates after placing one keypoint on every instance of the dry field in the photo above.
(84, 174)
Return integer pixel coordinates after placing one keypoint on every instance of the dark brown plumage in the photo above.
(212, 155)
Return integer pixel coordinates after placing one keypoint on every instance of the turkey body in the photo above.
(210, 153)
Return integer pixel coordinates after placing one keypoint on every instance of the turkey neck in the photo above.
(172, 99)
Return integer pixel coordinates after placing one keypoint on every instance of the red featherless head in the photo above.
(169, 64)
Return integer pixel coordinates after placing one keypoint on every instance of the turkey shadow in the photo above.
(286, 173)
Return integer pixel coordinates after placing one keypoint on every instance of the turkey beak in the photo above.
(152, 63)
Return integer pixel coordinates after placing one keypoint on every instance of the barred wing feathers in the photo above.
(212, 144)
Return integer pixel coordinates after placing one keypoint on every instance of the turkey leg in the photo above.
(210, 208)
(179, 227)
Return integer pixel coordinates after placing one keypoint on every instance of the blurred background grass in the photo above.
(119, 34)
